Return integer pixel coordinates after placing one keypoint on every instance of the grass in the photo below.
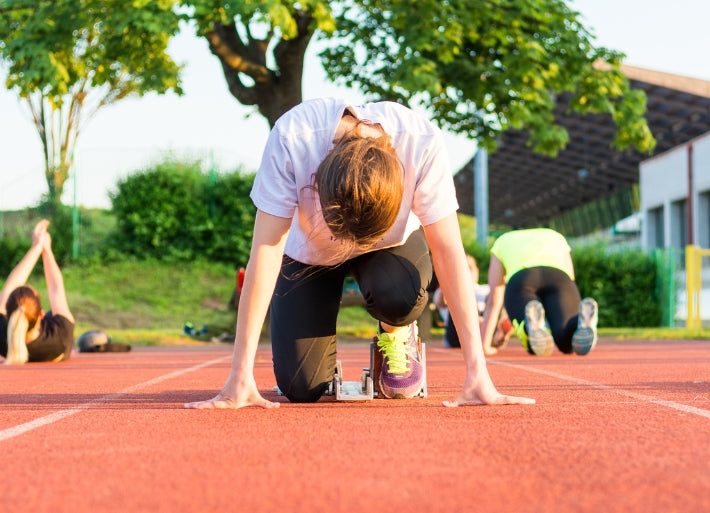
(148, 302)
(140, 297)
(658, 333)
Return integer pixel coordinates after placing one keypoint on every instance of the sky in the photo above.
(208, 123)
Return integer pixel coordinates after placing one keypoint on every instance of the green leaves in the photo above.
(483, 66)
(68, 58)
(479, 67)
(622, 282)
(174, 210)
(261, 16)
(55, 44)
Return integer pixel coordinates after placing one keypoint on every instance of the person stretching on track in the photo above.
(26, 333)
(363, 191)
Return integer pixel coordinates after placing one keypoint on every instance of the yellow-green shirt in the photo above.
(535, 247)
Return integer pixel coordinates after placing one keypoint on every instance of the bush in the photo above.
(17, 235)
(159, 212)
(231, 214)
(11, 251)
(622, 282)
(176, 212)
(61, 228)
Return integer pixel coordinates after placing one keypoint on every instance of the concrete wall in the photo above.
(664, 189)
(663, 183)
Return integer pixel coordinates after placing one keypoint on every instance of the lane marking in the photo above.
(633, 395)
(14, 431)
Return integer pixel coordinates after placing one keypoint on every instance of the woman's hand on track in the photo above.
(235, 394)
(480, 390)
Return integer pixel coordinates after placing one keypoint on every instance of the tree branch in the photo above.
(13, 8)
(290, 53)
(233, 54)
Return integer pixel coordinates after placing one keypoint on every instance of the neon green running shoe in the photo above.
(402, 373)
(519, 328)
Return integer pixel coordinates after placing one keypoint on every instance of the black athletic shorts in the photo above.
(306, 302)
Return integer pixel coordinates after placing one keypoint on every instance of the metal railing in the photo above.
(694, 283)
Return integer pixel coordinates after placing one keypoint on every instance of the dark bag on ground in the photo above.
(97, 341)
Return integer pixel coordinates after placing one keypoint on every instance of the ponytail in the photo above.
(17, 327)
(23, 311)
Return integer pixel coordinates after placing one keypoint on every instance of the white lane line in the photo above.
(640, 397)
(14, 431)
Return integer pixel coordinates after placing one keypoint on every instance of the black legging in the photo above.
(558, 294)
(306, 302)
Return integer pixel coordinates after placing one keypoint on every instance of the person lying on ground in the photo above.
(27, 333)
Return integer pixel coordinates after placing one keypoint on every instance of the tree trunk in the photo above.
(274, 91)
(56, 178)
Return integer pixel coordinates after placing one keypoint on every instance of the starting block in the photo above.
(367, 388)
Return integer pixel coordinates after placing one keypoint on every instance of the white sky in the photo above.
(207, 122)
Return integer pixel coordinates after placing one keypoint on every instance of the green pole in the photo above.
(75, 216)
(670, 277)
(213, 181)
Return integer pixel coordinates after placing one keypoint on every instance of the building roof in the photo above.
(528, 189)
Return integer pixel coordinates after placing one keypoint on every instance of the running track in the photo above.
(625, 429)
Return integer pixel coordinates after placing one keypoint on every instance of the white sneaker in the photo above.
(585, 336)
(540, 341)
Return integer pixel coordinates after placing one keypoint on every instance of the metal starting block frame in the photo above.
(367, 388)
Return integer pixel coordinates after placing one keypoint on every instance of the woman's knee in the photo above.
(300, 386)
(396, 309)
(304, 367)
(302, 392)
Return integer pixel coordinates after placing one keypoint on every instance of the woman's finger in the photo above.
(227, 404)
(462, 400)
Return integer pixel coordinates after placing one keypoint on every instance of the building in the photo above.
(675, 196)
(589, 185)
(675, 217)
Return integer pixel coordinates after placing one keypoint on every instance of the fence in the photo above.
(694, 284)
(666, 286)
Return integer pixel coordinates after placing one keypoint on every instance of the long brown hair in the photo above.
(23, 312)
(360, 184)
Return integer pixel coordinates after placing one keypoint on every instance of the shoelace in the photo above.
(395, 351)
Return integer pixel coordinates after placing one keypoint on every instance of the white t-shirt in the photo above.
(302, 138)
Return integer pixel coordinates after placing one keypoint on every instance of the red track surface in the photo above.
(626, 428)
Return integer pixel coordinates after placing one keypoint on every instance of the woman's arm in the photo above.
(494, 303)
(19, 275)
(259, 282)
(450, 265)
(55, 282)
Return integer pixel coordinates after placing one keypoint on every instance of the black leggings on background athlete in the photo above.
(306, 302)
(558, 294)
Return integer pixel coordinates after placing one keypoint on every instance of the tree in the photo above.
(261, 46)
(478, 66)
(69, 58)
(483, 66)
